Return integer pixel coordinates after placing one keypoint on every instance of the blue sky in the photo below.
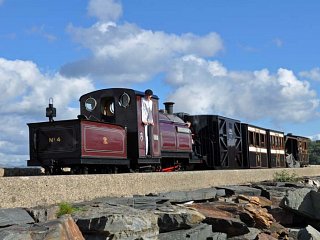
(257, 61)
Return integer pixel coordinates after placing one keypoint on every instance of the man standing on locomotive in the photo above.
(147, 119)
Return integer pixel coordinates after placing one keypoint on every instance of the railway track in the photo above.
(29, 191)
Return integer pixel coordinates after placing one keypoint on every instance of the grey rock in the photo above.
(43, 214)
(304, 202)
(104, 221)
(138, 202)
(177, 217)
(245, 190)
(221, 192)
(293, 233)
(230, 226)
(274, 193)
(185, 196)
(308, 233)
(17, 232)
(283, 216)
(14, 216)
(249, 236)
(62, 228)
(202, 231)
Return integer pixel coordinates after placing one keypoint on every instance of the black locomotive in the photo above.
(108, 136)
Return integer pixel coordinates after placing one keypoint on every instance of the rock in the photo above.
(260, 215)
(138, 202)
(257, 200)
(264, 236)
(251, 235)
(63, 228)
(278, 231)
(176, 217)
(244, 190)
(293, 233)
(276, 194)
(221, 220)
(230, 226)
(283, 216)
(186, 196)
(220, 192)
(100, 221)
(304, 202)
(14, 216)
(202, 231)
(43, 214)
(60, 229)
(312, 183)
(308, 233)
(16, 232)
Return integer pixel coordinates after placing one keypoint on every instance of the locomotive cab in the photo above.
(123, 107)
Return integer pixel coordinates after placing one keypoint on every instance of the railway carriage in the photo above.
(276, 149)
(255, 146)
(296, 148)
(218, 139)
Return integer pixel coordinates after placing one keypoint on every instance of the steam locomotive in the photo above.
(108, 137)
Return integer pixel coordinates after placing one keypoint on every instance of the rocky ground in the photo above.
(266, 210)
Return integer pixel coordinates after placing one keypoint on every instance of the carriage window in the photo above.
(257, 143)
(251, 138)
(90, 104)
(124, 100)
(262, 138)
(273, 142)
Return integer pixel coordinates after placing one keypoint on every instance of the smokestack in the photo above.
(169, 107)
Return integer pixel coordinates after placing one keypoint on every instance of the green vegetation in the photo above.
(285, 176)
(314, 152)
(66, 208)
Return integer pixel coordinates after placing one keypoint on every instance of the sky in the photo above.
(256, 61)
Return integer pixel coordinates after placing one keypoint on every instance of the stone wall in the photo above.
(46, 190)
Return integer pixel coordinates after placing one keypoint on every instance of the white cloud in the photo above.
(24, 97)
(201, 89)
(105, 10)
(313, 74)
(1, 2)
(128, 53)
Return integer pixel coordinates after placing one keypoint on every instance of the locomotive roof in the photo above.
(101, 91)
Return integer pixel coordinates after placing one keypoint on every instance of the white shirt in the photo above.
(147, 111)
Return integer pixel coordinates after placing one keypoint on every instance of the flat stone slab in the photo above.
(186, 196)
(244, 190)
(202, 231)
(14, 216)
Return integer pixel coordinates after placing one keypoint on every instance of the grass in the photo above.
(285, 176)
(66, 208)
